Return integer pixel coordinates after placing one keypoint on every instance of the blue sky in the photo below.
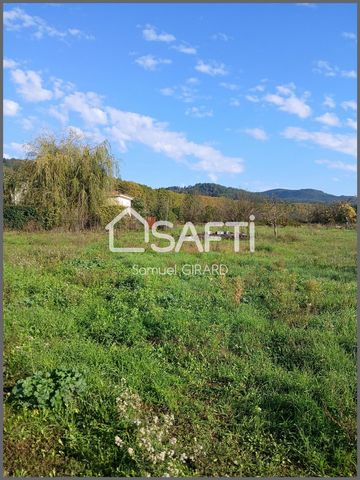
(253, 96)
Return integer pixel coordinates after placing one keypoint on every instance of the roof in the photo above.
(122, 195)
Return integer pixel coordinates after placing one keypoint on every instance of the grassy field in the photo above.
(252, 373)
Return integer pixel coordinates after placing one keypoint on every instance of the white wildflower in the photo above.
(118, 441)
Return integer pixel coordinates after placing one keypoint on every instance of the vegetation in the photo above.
(68, 180)
(68, 185)
(251, 373)
(305, 195)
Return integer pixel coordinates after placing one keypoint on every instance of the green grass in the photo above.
(258, 367)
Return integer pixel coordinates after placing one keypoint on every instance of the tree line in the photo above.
(67, 182)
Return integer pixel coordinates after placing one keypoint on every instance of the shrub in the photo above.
(28, 218)
(108, 212)
(17, 216)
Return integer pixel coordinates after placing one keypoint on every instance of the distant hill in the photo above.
(306, 195)
(12, 162)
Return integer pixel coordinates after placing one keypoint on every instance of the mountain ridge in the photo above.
(303, 195)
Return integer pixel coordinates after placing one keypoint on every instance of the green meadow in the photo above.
(112, 373)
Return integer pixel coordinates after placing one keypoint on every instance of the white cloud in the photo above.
(93, 135)
(348, 73)
(59, 113)
(199, 112)
(87, 105)
(186, 93)
(329, 119)
(350, 122)
(187, 49)
(258, 88)
(167, 91)
(150, 35)
(193, 81)
(9, 63)
(349, 104)
(286, 100)
(17, 19)
(61, 88)
(328, 70)
(325, 68)
(230, 86)
(11, 108)
(252, 98)
(125, 128)
(308, 5)
(149, 62)
(213, 177)
(234, 102)
(344, 143)
(338, 165)
(28, 123)
(75, 32)
(329, 101)
(221, 36)
(257, 133)
(29, 85)
(349, 36)
(132, 127)
(77, 131)
(18, 148)
(211, 68)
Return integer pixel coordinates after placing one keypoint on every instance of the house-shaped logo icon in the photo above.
(110, 227)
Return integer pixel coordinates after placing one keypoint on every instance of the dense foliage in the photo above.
(18, 217)
(65, 177)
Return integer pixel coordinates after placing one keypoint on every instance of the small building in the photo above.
(117, 198)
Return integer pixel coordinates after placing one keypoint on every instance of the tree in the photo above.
(275, 213)
(190, 208)
(69, 179)
(344, 213)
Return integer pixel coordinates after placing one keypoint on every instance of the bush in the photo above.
(108, 212)
(27, 218)
(17, 216)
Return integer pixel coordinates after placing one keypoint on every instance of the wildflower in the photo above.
(161, 456)
(131, 451)
(118, 441)
(183, 457)
(173, 441)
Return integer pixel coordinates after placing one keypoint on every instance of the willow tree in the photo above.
(69, 179)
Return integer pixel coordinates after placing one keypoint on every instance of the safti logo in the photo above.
(188, 234)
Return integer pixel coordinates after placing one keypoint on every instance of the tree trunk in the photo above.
(275, 229)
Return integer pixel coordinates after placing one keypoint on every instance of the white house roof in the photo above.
(120, 195)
